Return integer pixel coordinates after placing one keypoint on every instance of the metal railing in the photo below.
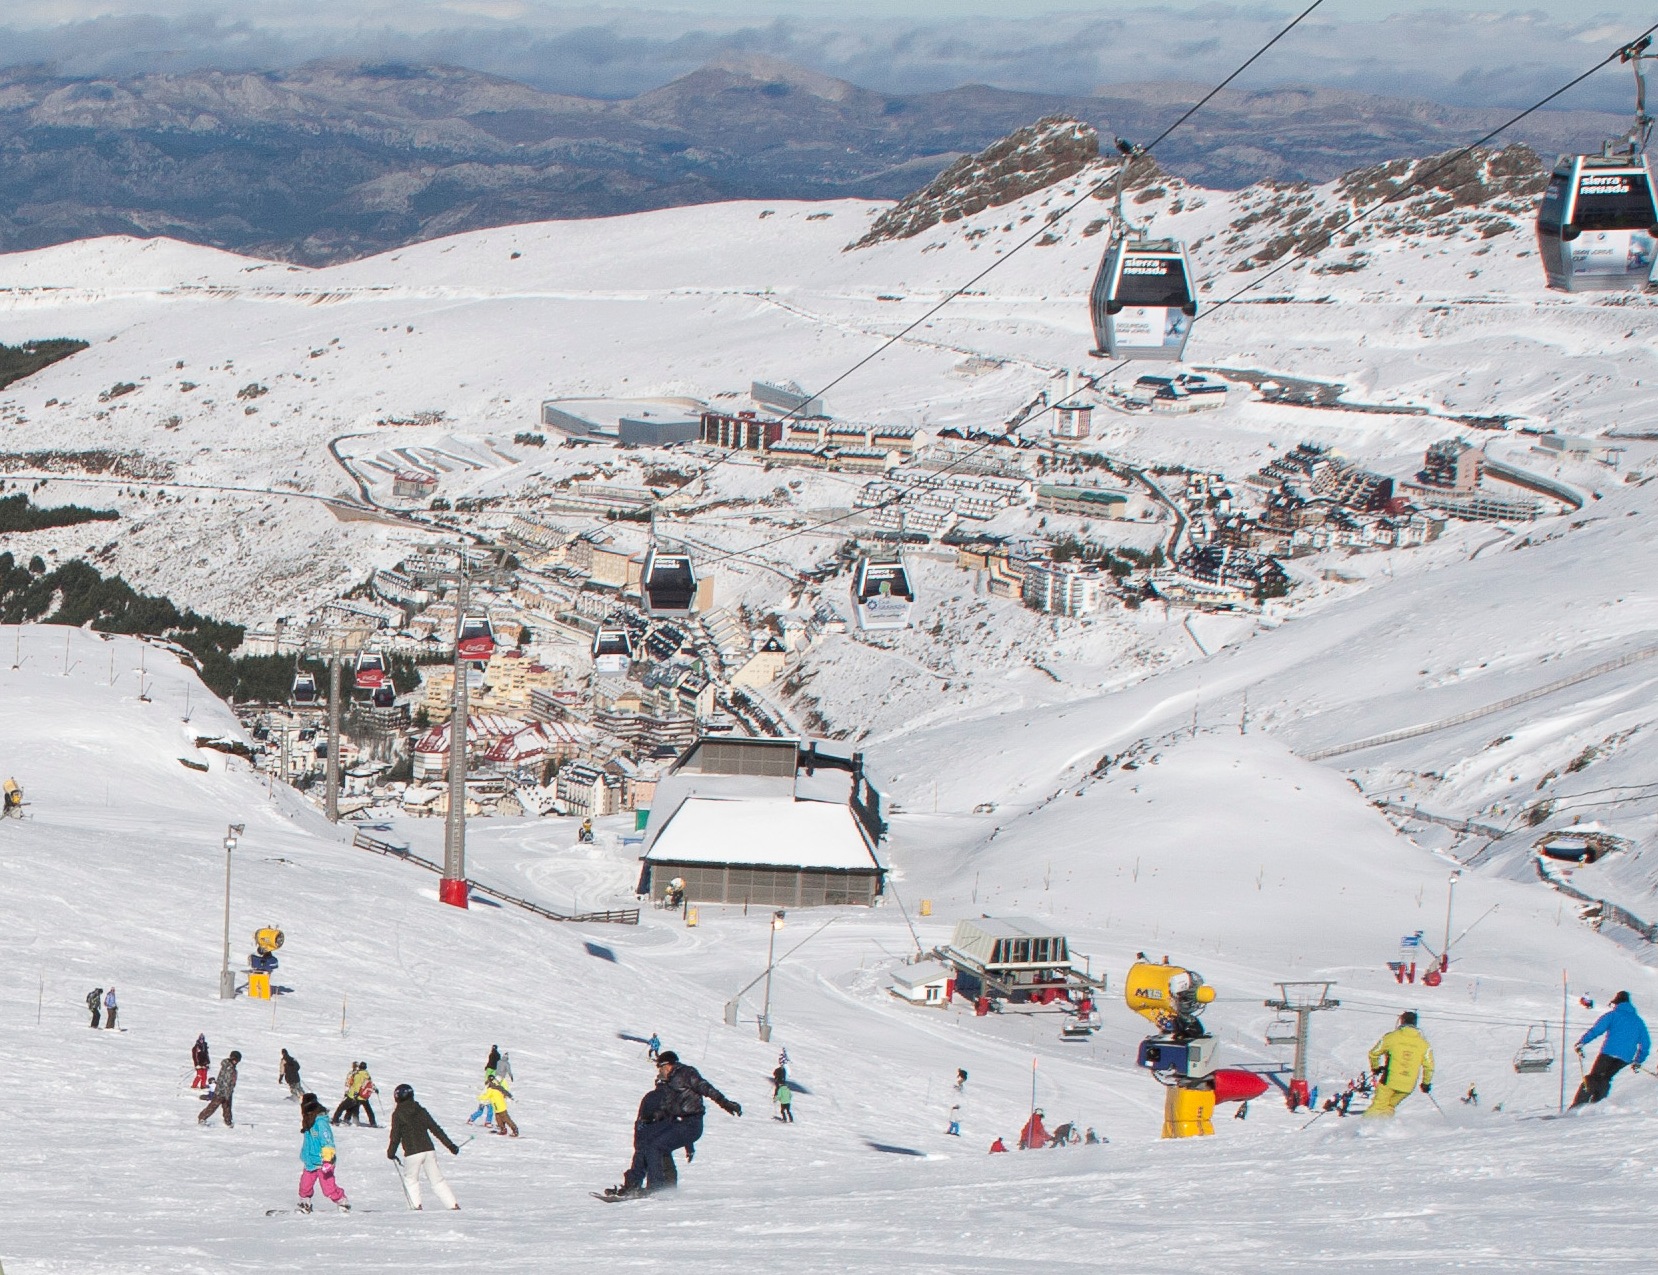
(610, 916)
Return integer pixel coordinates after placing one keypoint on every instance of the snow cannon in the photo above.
(11, 799)
(1181, 1055)
(265, 943)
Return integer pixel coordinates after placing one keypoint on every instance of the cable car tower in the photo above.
(1142, 302)
(1597, 223)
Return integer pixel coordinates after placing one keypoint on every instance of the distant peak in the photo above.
(762, 68)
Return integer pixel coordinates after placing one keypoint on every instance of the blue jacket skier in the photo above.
(1626, 1044)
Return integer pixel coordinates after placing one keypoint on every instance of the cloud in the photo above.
(1451, 55)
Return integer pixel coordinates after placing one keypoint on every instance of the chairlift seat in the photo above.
(1536, 1054)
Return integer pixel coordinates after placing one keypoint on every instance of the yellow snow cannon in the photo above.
(1181, 1055)
(11, 798)
(267, 940)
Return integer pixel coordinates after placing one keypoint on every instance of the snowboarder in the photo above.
(109, 1008)
(958, 1103)
(365, 1096)
(1034, 1134)
(288, 1074)
(412, 1130)
(785, 1103)
(95, 1002)
(201, 1061)
(653, 1046)
(316, 1155)
(346, 1112)
(683, 1090)
(492, 1062)
(633, 1179)
(954, 1129)
(1626, 1045)
(495, 1096)
(224, 1089)
(1399, 1059)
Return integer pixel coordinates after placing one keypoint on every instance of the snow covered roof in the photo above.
(920, 973)
(774, 831)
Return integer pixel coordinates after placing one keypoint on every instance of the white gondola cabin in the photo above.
(882, 595)
(668, 582)
(371, 670)
(612, 650)
(1143, 301)
(1597, 223)
(476, 642)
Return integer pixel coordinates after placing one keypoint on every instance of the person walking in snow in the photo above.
(1626, 1044)
(785, 1103)
(412, 1130)
(95, 1002)
(109, 1008)
(316, 1155)
(682, 1110)
(287, 1073)
(1034, 1134)
(1399, 1060)
(200, 1060)
(224, 1089)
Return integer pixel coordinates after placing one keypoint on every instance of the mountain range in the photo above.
(332, 161)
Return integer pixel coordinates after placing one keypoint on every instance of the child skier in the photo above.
(495, 1096)
(200, 1060)
(365, 1096)
(346, 1112)
(785, 1103)
(316, 1155)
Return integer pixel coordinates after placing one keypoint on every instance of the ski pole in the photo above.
(1436, 1106)
(1321, 1116)
(397, 1168)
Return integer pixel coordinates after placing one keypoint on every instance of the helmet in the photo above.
(403, 1093)
(1408, 1018)
(666, 1056)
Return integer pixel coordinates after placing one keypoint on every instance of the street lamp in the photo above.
(227, 979)
(771, 947)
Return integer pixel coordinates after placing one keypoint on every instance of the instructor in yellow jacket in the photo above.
(1399, 1059)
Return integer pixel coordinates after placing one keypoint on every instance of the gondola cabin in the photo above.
(1597, 224)
(384, 695)
(305, 689)
(1143, 301)
(668, 583)
(612, 651)
(371, 670)
(882, 595)
(476, 642)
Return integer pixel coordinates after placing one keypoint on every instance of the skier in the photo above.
(109, 1008)
(224, 1089)
(585, 833)
(316, 1154)
(997, 1146)
(288, 1073)
(653, 1046)
(492, 1062)
(365, 1096)
(1034, 1134)
(785, 1103)
(200, 1060)
(1626, 1045)
(1399, 1059)
(412, 1130)
(95, 1002)
(683, 1090)
(495, 1096)
(346, 1112)
(958, 1103)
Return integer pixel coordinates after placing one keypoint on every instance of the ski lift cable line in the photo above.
(1416, 182)
(1118, 175)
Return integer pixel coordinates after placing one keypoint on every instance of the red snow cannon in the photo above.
(1232, 1085)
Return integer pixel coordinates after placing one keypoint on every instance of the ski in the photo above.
(317, 1212)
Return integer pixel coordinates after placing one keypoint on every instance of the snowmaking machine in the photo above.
(265, 942)
(11, 799)
(1182, 1055)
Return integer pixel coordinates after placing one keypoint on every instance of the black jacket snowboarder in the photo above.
(679, 1090)
(95, 1002)
(224, 1090)
(288, 1074)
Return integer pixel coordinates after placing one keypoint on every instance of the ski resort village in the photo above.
(747, 712)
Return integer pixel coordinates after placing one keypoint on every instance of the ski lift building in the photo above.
(1014, 958)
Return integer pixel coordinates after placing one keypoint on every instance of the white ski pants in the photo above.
(425, 1162)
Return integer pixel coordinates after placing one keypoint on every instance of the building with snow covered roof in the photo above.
(765, 821)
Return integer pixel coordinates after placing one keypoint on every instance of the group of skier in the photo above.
(103, 999)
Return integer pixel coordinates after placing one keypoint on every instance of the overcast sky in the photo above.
(1455, 51)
